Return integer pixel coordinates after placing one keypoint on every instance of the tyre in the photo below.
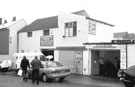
(128, 84)
(61, 79)
(44, 78)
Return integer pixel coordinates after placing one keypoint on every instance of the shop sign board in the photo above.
(92, 27)
(123, 60)
(46, 40)
(104, 46)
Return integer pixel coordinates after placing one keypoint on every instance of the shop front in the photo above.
(106, 58)
(72, 57)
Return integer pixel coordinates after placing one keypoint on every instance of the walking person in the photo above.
(24, 65)
(101, 66)
(36, 64)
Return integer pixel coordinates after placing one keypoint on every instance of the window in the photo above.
(70, 29)
(45, 32)
(29, 34)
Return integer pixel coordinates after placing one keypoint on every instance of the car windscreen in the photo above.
(53, 64)
(131, 70)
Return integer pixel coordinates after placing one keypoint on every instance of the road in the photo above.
(71, 81)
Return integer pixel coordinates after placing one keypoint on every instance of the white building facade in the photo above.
(63, 36)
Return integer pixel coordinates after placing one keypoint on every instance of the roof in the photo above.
(52, 22)
(112, 42)
(120, 34)
(7, 25)
(84, 13)
(100, 21)
(43, 23)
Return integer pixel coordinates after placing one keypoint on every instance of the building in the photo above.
(63, 36)
(8, 38)
(124, 36)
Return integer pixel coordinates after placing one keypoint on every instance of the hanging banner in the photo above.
(92, 27)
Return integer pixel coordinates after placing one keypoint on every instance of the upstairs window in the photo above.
(29, 34)
(70, 29)
(45, 32)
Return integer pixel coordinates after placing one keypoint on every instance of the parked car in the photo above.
(127, 76)
(5, 65)
(51, 70)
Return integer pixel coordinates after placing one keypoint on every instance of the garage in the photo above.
(106, 58)
(48, 52)
(72, 59)
(109, 65)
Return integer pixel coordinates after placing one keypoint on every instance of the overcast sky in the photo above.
(120, 13)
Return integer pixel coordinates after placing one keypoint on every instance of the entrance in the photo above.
(48, 52)
(109, 59)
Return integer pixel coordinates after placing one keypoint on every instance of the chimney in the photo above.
(0, 21)
(5, 21)
(14, 18)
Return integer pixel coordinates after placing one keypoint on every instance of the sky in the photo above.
(120, 13)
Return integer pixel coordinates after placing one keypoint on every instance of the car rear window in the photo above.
(53, 64)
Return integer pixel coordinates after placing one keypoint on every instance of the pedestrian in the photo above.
(117, 62)
(24, 65)
(101, 66)
(36, 64)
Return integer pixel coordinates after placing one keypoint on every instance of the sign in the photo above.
(104, 46)
(123, 41)
(92, 27)
(79, 54)
(46, 40)
(123, 59)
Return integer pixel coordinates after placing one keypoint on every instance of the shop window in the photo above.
(29, 34)
(70, 29)
(45, 32)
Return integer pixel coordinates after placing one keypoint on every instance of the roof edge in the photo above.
(100, 21)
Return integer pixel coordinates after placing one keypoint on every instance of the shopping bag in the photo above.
(20, 72)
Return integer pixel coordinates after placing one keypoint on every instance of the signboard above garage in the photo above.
(46, 40)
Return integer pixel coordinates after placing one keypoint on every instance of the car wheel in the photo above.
(44, 78)
(61, 79)
(128, 84)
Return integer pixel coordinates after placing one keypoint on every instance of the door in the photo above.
(94, 63)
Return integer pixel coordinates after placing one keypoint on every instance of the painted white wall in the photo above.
(86, 62)
(130, 55)
(56, 53)
(13, 35)
(104, 33)
(30, 44)
(81, 32)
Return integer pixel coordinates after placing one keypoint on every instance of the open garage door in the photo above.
(111, 65)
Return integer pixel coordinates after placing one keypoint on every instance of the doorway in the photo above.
(111, 65)
(48, 52)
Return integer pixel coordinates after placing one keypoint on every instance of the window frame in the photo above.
(29, 34)
(70, 29)
(44, 34)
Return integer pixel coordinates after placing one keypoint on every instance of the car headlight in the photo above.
(121, 74)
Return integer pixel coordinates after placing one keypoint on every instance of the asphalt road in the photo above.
(12, 80)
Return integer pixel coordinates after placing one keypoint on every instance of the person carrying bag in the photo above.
(24, 65)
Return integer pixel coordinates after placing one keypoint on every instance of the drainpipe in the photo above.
(126, 57)
(17, 42)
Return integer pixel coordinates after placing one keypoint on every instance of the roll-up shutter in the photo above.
(70, 59)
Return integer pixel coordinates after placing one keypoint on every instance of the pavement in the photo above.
(95, 81)
(85, 80)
